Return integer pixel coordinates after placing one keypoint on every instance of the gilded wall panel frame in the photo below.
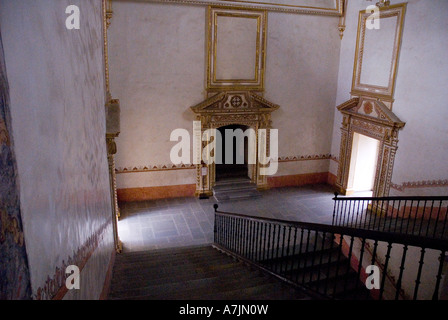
(377, 52)
(327, 7)
(335, 8)
(236, 48)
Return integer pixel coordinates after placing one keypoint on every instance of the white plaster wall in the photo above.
(420, 92)
(56, 79)
(158, 69)
(301, 76)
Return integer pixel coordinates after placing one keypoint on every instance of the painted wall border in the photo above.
(168, 167)
(54, 287)
(420, 184)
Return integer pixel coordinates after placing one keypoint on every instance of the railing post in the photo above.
(335, 199)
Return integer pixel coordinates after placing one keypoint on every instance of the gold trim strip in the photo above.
(258, 6)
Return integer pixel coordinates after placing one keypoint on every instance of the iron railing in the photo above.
(419, 215)
(332, 261)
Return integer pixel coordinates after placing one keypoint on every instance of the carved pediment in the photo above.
(372, 110)
(235, 102)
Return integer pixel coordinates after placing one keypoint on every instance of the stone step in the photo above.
(235, 189)
(193, 273)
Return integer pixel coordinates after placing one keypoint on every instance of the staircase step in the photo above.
(239, 188)
(192, 273)
(237, 195)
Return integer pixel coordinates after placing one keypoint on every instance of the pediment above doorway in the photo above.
(372, 110)
(235, 102)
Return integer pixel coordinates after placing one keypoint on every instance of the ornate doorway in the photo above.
(243, 108)
(372, 118)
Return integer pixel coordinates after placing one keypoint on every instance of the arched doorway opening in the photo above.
(363, 164)
(233, 152)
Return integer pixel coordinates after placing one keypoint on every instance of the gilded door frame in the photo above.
(218, 111)
(374, 119)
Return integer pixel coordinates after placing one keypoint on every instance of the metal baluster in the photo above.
(237, 235)
(381, 215)
(423, 218)
(341, 240)
(445, 220)
(346, 212)
(398, 211)
(278, 247)
(410, 215)
(274, 229)
(400, 276)
(371, 213)
(269, 243)
(313, 256)
(361, 256)
(357, 215)
(251, 241)
(264, 241)
(293, 252)
(226, 232)
(232, 233)
(257, 241)
(436, 223)
(402, 215)
(333, 221)
(215, 230)
(283, 248)
(221, 230)
(306, 252)
(349, 257)
(389, 217)
(375, 247)
(260, 241)
(416, 213)
(420, 267)
(332, 238)
(430, 219)
(386, 263)
(321, 256)
(300, 255)
(246, 245)
(241, 245)
(287, 249)
(435, 296)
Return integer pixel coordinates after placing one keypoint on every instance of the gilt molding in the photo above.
(332, 12)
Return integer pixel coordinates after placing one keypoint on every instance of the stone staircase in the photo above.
(193, 273)
(237, 188)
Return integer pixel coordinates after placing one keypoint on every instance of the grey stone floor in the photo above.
(176, 222)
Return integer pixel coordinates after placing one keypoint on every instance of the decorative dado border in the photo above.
(305, 158)
(167, 167)
(55, 288)
(420, 184)
(151, 168)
